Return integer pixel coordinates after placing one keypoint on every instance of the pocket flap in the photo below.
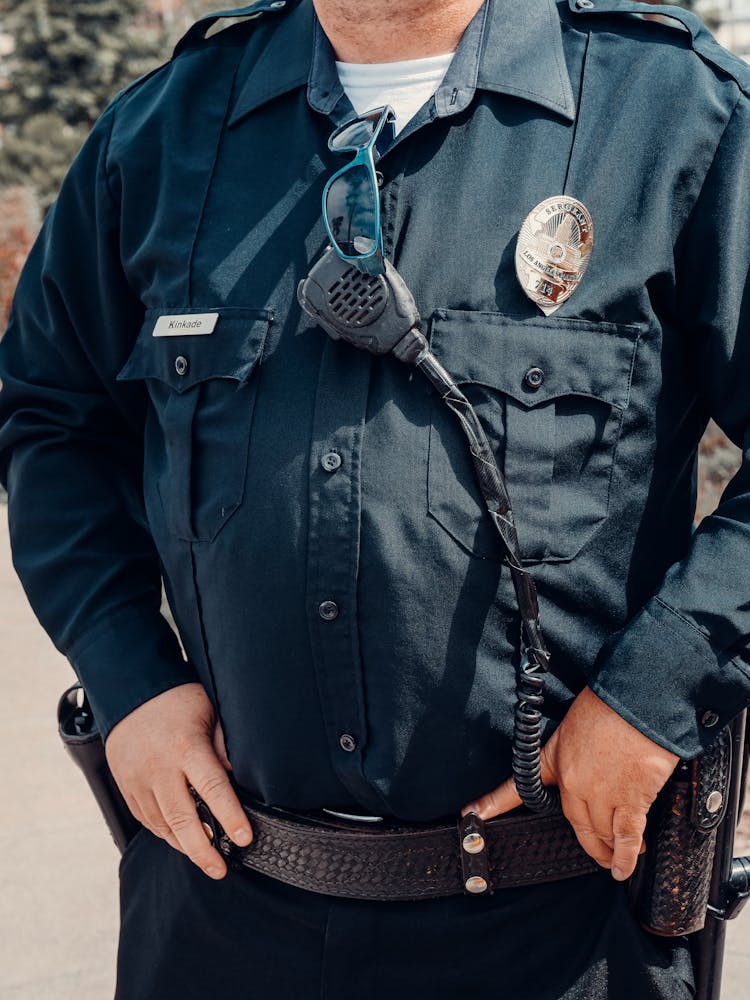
(231, 351)
(575, 356)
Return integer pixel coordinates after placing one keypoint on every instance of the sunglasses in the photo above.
(351, 199)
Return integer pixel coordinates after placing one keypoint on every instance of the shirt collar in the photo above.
(510, 47)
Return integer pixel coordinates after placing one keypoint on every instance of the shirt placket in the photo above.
(333, 561)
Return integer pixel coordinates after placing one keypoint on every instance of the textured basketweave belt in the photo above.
(394, 861)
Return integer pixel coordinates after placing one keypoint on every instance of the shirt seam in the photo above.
(209, 183)
(107, 150)
(719, 144)
(697, 631)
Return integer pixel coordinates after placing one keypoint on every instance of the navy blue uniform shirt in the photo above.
(312, 510)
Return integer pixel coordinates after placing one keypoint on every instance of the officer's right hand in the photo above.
(166, 744)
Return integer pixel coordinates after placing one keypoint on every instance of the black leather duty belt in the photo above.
(394, 861)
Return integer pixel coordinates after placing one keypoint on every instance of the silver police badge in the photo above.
(553, 250)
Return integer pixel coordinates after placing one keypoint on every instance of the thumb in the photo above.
(220, 747)
(505, 797)
(501, 800)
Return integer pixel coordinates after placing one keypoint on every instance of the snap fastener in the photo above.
(348, 743)
(709, 718)
(476, 884)
(584, 4)
(379, 178)
(473, 843)
(533, 378)
(328, 611)
(714, 802)
(181, 365)
(331, 461)
(278, 4)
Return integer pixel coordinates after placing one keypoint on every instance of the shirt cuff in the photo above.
(662, 676)
(130, 658)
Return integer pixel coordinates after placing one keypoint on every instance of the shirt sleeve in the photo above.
(71, 442)
(680, 669)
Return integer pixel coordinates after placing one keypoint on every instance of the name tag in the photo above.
(192, 324)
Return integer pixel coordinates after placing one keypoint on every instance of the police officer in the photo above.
(349, 630)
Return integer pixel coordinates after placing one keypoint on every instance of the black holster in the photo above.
(83, 742)
(670, 888)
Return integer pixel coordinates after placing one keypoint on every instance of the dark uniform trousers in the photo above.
(249, 937)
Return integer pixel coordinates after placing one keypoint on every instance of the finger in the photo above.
(628, 826)
(220, 746)
(132, 803)
(178, 809)
(577, 813)
(150, 816)
(209, 779)
(504, 798)
(602, 819)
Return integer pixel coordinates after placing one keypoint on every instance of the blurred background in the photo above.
(61, 61)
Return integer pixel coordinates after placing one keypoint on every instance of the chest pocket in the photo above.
(551, 394)
(202, 389)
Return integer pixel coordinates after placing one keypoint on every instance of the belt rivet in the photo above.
(476, 884)
(473, 843)
(714, 802)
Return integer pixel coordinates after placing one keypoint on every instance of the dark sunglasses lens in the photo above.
(350, 210)
(357, 135)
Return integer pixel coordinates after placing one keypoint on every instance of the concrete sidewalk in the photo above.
(58, 867)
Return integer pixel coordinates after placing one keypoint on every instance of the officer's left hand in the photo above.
(609, 774)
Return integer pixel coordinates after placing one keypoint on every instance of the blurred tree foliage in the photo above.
(70, 57)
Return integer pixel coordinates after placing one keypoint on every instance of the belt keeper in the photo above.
(475, 863)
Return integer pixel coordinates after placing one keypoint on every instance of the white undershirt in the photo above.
(405, 85)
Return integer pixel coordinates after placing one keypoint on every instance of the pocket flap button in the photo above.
(533, 379)
(181, 365)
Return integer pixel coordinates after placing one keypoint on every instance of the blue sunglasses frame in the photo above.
(371, 261)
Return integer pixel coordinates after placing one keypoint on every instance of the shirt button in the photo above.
(181, 365)
(331, 461)
(709, 718)
(533, 379)
(328, 611)
(348, 743)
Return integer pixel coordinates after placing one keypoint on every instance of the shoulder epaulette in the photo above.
(703, 42)
(197, 33)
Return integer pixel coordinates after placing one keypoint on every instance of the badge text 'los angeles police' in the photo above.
(553, 251)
